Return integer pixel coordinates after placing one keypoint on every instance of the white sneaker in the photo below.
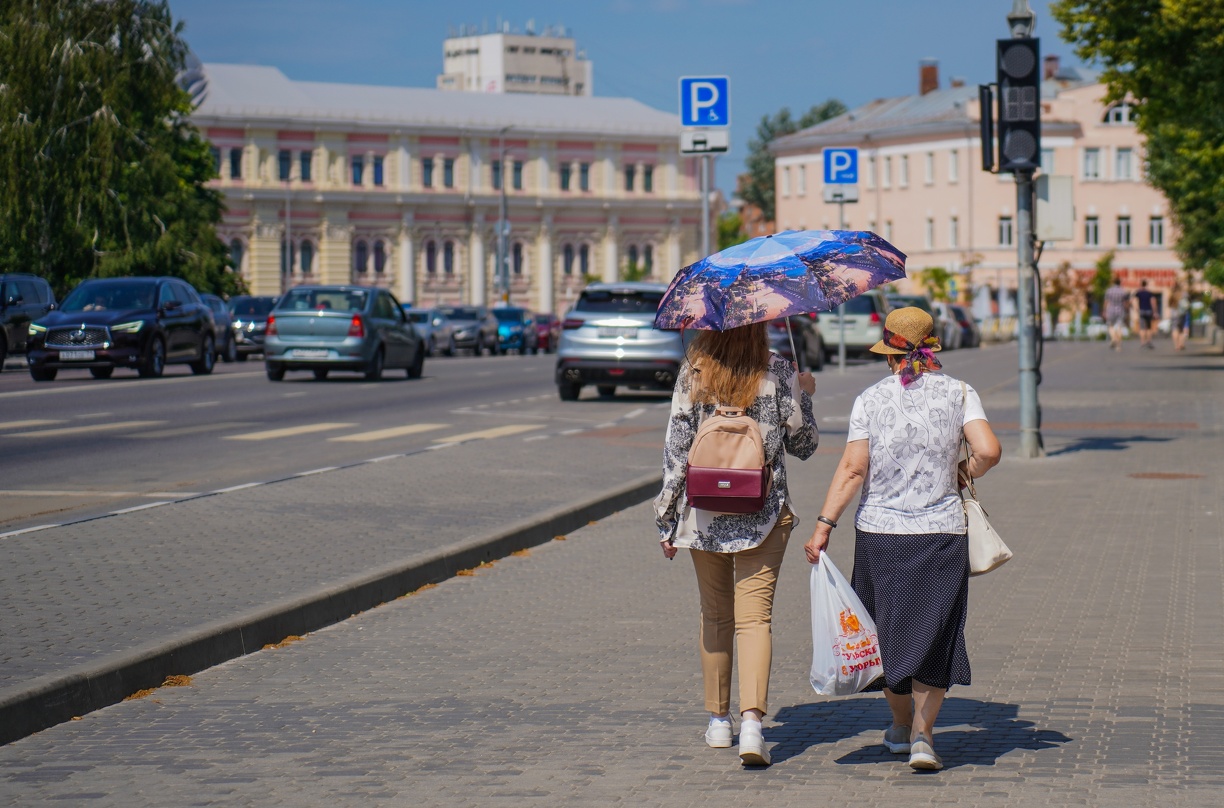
(718, 734)
(752, 749)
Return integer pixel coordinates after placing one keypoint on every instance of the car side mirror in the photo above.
(172, 305)
(53, 307)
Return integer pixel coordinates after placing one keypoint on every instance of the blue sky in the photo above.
(777, 53)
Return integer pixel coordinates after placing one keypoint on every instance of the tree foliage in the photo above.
(758, 187)
(730, 230)
(937, 281)
(1102, 279)
(1165, 56)
(102, 171)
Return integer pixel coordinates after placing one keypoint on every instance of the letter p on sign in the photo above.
(704, 101)
(841, 166)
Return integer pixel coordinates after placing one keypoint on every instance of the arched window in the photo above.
(431, 257)
(632, 256)
(361, 257)
(516, 262)
(236, 250)
(307, 257)
(380, 257)
(567, 263)
(584, 259)
(648, 258)
(1120, 113)
(448, 258)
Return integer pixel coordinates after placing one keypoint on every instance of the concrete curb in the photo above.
(54, 699)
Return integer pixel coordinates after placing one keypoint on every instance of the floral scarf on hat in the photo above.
(918, 358)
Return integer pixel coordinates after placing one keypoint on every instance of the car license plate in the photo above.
(613, 333)
(310, 353)
(76, 355)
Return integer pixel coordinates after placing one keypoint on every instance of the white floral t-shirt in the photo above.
(915, 436)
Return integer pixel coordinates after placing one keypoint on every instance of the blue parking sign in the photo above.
(705, 101)
(841, 166)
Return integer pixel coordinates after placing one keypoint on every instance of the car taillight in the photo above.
(875, 318)
(570, 325)
(357, 327)
(779, 325)
(271, 327)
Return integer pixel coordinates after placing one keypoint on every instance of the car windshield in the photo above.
(860, 305)
(463, 313)
(900, 301)
(110, 296)
(509, 315)
(346, 300)
(619, 301)
(417, 316)
(251, 306)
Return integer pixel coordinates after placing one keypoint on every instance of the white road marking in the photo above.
(26, 424)
(13, 533)
(175, 432)
(206, 403)
(495, 432)
(607, 425)
(237, 487)
(140, 507)
(313, 472)
(572, 431)
(536, 437)
(289, 431)
(80, 430)
(634, 413)
(384, 434)
(293, 395)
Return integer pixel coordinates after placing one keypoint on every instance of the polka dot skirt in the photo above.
(916, 588)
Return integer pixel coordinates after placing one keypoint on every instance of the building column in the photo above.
(611, 268)
(263, 256)
(544, 290)
(335, 259)
(407, 262)
(477, 283)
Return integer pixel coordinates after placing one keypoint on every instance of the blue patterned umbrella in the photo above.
(788, 273)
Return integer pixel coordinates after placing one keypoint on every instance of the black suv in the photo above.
(23, 299)
(142, 323)
(250, 323)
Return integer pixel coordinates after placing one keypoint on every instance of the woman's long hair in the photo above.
(729, 365)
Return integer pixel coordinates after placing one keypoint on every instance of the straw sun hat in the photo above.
(910, 322)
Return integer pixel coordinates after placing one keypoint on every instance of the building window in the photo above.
(284, 161)
(518, 175)
(1047, 161)
(431, 257)
(631, 255)
(361, 257)
(1124, 231)
(235, 160)
(1092, 164)
(216, 158)
(871, 172)
(584, 176)
(516, 258)
(1118, 114)
(953, 165)
(903, 179)
(929, 168)
(497, 175)
(358, 168)
(380, 257)
(567, 259)
(235, 251)
(630, 177)
(648, 179)
(378, 170)
(1156, 231)
(306, 254)
(1005, 231)
(448, 172)
(427, 166)
(584, 259)
(786, 179)
(648, 258)
(886, 178)
(1092, 232)
(1124, 159)
(448, 258)
(888, 233)
(304, 165)
(930, 234)
(954, 232)
(566, 171)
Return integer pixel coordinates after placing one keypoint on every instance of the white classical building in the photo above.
(401, 187)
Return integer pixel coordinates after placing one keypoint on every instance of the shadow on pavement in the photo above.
(1104, 443)
(998, 730)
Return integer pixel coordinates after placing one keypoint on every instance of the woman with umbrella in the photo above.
(730, 296)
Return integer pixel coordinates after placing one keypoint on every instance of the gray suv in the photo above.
(609, 340)
(23, 299)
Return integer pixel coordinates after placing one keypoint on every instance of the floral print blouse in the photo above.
(784, 413)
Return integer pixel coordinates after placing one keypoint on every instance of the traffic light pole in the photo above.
(1026, 306)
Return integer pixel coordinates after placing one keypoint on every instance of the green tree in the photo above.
(1059, 291)
(730, 230)
(103, 173)
(757, 186)
(1164, 56)
(937, 281)
(1102, 279)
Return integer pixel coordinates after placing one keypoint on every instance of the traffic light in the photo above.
(1019, 79)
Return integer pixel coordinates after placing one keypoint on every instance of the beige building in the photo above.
(923, 189)
(505, 62)
(401, 187)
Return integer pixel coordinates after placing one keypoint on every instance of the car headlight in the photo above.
(128, 328)
(34, 330)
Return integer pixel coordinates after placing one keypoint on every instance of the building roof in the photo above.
(256, 93)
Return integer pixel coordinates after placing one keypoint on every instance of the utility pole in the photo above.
(841, 307)
(705, 204)
(503, 222)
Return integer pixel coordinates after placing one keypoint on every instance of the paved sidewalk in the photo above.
(569, 675)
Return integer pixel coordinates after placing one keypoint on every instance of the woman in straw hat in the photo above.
(911, 554)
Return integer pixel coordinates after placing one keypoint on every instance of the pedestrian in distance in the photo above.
(911, 552)
(1181, 323)
(1117, 305)
(736, 556)
(1146, 303)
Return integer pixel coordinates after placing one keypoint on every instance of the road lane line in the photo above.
(289, 431)
(238, 487)
(144, 507)
(81, 430)
(93, 415)
(384, 434)
(175, 432)
(608, 425)
(572, 431)
(536, 437)
(486, 434)
(634, 413)
(27, 424)
(313, 472)
(206, 403)
(13, 533)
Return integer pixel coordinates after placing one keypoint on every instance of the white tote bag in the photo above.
(987, 551)
(845, 646)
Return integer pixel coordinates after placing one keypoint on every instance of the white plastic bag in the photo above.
(845, 646)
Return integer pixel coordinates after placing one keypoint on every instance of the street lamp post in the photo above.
(503, 222)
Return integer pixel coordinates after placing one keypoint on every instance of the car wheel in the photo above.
(101, 373)
(450, 347)
(275, 372)
(155, 360)
(231, 352)
(569, 391)
(320, 374)
(41, 375)
(242, 357)
(418, 365)
(606, 390)
(818, 362)
(374, 370)
(208, 357)
(3, 351)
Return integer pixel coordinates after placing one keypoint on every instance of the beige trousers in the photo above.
(737, 594)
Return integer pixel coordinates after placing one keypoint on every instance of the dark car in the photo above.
(516, 330)
(475, 328)
(326, 328)
(23, 299)
(223, 321)
(971, 332)
(250, 315)
(548, 332)
(142, 323)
